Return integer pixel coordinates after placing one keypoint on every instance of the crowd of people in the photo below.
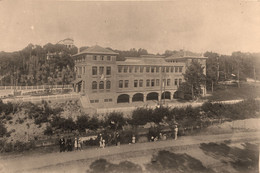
(69, 144)
(76, 144)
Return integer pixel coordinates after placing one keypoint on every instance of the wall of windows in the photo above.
(101, 85)
(101, 70)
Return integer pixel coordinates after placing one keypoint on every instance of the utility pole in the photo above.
(217, 69)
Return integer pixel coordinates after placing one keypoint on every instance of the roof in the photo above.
(97, 50)
(186, 55)
(144, 61)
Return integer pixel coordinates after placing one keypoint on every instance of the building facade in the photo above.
(105, 82)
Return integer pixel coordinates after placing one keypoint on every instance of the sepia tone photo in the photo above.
(129, 86)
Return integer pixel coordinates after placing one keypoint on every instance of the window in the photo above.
(148, 82)
(180, 69)
(108, 84)
(141, 69)
(80, 70)
(152, 82)
(101, 70)
(101, 85)
(176, 69)
(102, 58)
(94, 85)
(130, 69)
(121, 84)
(167, 69)
(120, 69)
(109, 58)
(126, 83)
(157, 69)
(84, 69)
(176, 82)
(172, 69)
(180, 81)
(147, 69)
(94, 70)
(136, 69)
(157, 82)
(163, 82)
(168, 82)
(125, 69)
(107, 100)
(163, 69)
(108, 70)
(94, 57)
(135, 83)
(152, 69)
(140, 83)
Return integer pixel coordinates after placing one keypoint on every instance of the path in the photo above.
(29, 163)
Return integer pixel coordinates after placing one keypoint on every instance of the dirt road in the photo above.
(57, 162)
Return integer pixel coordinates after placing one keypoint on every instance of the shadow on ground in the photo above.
(241, 159)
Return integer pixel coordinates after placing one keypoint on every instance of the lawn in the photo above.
(232, 93)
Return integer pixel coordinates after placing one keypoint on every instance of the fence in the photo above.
(34, 87)
(40, 98)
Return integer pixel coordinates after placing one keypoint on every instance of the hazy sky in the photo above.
(220, 26)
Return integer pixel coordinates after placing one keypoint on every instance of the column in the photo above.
(159, 97)
(130, 99)
(144, 98)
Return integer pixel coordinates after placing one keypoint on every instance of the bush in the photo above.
(82, 122)
(141, 116)
(3, 130)
(115, 121)
(48, 131)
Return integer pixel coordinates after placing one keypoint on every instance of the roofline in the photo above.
(94, 53)
(187, 57)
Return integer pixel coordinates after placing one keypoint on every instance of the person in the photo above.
(76, 144)
(62, 144)
(69, 144)
(100, 141)
(175, 132)
(80, 144)
(133, 139)
(117, 139)
(103, 143)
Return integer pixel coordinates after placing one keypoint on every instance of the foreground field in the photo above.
(140, 153)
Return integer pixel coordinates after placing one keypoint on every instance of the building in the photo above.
(68, 42)
(105, 82)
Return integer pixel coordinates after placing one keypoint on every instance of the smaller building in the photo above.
(68, 42)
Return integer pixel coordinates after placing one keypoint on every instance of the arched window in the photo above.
(108, 84)
(101, 85)
(94, 85)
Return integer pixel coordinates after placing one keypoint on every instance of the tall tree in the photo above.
(194, 79)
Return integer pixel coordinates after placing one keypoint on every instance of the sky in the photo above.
(199, 26)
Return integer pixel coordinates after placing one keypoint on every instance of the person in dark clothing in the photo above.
(69, 144)
(62, 144)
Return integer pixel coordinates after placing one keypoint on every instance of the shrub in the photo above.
(93, 124)
(141, 116)
(48, 131)
(82, 122)
(115, 121)
(3, 130)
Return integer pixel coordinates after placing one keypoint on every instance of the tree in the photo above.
(115, 121)
(141, 116)
(82, 123)
(212, 70)
(194, 78)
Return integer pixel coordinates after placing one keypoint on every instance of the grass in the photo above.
(232, 93)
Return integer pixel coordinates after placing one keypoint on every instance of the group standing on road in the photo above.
(67, 145)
